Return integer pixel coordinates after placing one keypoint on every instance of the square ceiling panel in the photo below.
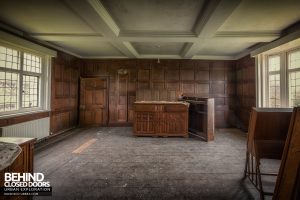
(47, 16)
(90, 48)
(265, 15)
(166, 48)
(155, 15)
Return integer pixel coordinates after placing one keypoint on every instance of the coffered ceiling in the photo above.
(198, 29)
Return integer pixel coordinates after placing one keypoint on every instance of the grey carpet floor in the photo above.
(118, 165)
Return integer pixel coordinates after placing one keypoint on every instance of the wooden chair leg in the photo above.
(252, 169)
(260, 186)
(246, 165)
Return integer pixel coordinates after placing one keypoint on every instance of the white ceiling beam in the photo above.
(88, 15)
(217, 18)
(131, 49)
(104, 14)
(131, 33)
(204, 15)
(159, 39)
(149, 36)
(212, 57)
(253, 36)
(240, 36)
(67, 37)
(186, 48)
(104, 57)
(208, 24)
(97, 17)
(160, 56)
(285, 39)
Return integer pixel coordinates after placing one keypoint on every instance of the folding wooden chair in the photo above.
(288, 180)
(268, 128)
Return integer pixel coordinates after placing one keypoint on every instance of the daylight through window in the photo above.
(20, 79)
(278, 78)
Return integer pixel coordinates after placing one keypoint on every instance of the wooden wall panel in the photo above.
(231, 83)
(165, 81)
(172, 75)
(187, 75)
(201, 75)
(245, 90)
(158, 85)
(202, 89)
(217, 74)
(143, 85)
(143, 74)
(158, 74)
(173, 85)
(64, 95)
(187, 88)
(163, 95)
(218, 89)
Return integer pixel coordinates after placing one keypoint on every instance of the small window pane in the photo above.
(274, 63)
(32, 63)
(274, 90)
(8, 91)
(9, 58)
(30, 91)
(294, 89)
(294, 60)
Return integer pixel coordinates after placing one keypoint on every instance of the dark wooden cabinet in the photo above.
(201, 117)
(160, 119)
(22, 164)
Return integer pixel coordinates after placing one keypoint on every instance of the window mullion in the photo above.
(267, 84)
(21, 80)
(283, 81)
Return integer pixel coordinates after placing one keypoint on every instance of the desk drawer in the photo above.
(175, 108)
(146, 108)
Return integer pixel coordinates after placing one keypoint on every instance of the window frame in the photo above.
(267, 77)
(262, 77)
(288, 71)
(44, 81)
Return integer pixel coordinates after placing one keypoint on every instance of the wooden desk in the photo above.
(22, 164)
(160, 118)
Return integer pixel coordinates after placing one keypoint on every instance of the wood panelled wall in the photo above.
(166, 80)
(64, 92)
(245, 84)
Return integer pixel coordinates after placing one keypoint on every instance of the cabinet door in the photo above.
(21, 163)
(145, 122)
(175, 122)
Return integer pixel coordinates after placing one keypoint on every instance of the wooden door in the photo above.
(93, 102)
(122, 115)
